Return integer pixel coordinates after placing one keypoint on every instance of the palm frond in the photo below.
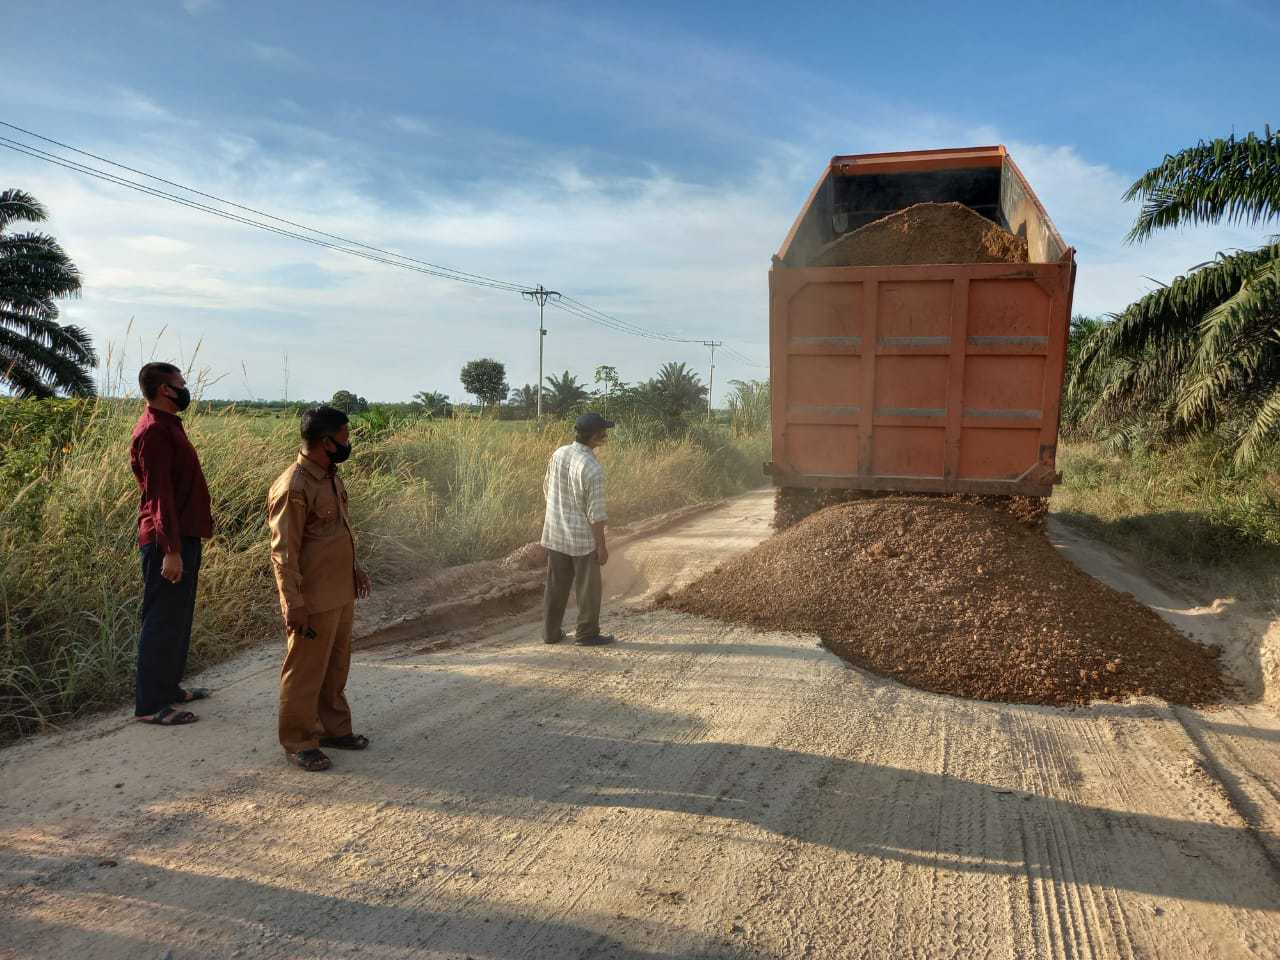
(38, 355)
(1263, 427)
(1173, 313)
(39, 370)
(17, 206)
(1232, 179)
(19, 373)
(35, 264)
(1235, 339)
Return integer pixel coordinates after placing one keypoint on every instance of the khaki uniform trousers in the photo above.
(312, 702)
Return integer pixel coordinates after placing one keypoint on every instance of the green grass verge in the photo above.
(1184, 511)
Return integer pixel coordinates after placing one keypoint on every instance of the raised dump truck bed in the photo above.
(943, 378)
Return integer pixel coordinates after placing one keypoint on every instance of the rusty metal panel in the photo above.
(940, 378)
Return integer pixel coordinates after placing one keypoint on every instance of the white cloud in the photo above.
(153, 244)
(655, 251)
(685, 258)
(197, 7)
(410, 124)
(274, 56)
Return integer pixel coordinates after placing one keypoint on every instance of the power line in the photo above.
(605, 320)
(742, 358)
(445, 273)
(253, 210)
(320, 238)
(627, 324)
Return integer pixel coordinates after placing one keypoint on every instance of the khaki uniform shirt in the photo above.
(313, 551)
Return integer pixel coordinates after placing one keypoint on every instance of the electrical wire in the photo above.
(567, 305)
(742, 358)
(445, 273)
(260, 213)
(626, 324)
(322, 238)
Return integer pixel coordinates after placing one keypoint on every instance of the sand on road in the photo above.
(697, 790)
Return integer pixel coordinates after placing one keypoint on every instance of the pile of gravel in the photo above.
(793, 504)
(959, 599)
(924, 233)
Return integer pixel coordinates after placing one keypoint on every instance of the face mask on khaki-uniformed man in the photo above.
(340, 451)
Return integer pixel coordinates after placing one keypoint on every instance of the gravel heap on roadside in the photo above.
(793, 504)
(959, 599)
(924, 233)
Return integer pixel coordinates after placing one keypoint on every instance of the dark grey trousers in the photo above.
(582, 575)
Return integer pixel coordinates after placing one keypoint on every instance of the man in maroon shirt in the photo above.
(173, 517)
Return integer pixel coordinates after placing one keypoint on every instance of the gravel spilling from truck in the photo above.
(924, 233)
(955, 598)
(793, 504)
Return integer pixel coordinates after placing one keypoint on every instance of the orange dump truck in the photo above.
(933, 378)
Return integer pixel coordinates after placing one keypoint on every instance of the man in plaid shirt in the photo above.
(573, 532)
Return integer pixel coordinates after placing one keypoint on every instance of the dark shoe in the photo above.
(352, 741)
(169, 717)
(550, 640)
(312, 760)
(194, 694)
(599, 640)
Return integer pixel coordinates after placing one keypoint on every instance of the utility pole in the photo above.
(711, 383)
(540, 296)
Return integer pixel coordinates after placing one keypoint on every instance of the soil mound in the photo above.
(956, 598)
(793, 504)
(924, 233)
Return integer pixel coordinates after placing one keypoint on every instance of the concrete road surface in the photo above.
(696, 790)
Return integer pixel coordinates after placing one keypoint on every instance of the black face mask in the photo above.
(342, 452)
(181, 397)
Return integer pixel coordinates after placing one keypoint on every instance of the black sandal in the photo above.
(352, 741)
(169, 717)
(194, 694)
(313, 760)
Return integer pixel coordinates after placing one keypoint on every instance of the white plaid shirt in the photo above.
(574, 491)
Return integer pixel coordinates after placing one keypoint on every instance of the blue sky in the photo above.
(646, 158)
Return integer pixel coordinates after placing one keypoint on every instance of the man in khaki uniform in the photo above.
(314, 559)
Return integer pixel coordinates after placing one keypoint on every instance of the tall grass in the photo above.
(1184, 509)
(424, 494)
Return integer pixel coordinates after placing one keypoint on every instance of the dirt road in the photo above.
(694, 791)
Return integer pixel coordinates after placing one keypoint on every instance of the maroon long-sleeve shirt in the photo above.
(175, 497)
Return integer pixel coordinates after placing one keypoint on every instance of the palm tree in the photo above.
(433, 402)
(38, 355)
(678, 389)
(750, 406)
(563, 393)
(524, 398)
(1082, 392)
(1203, 351)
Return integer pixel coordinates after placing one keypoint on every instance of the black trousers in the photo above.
(168, 610)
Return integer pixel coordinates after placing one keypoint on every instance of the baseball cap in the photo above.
(592, 421)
